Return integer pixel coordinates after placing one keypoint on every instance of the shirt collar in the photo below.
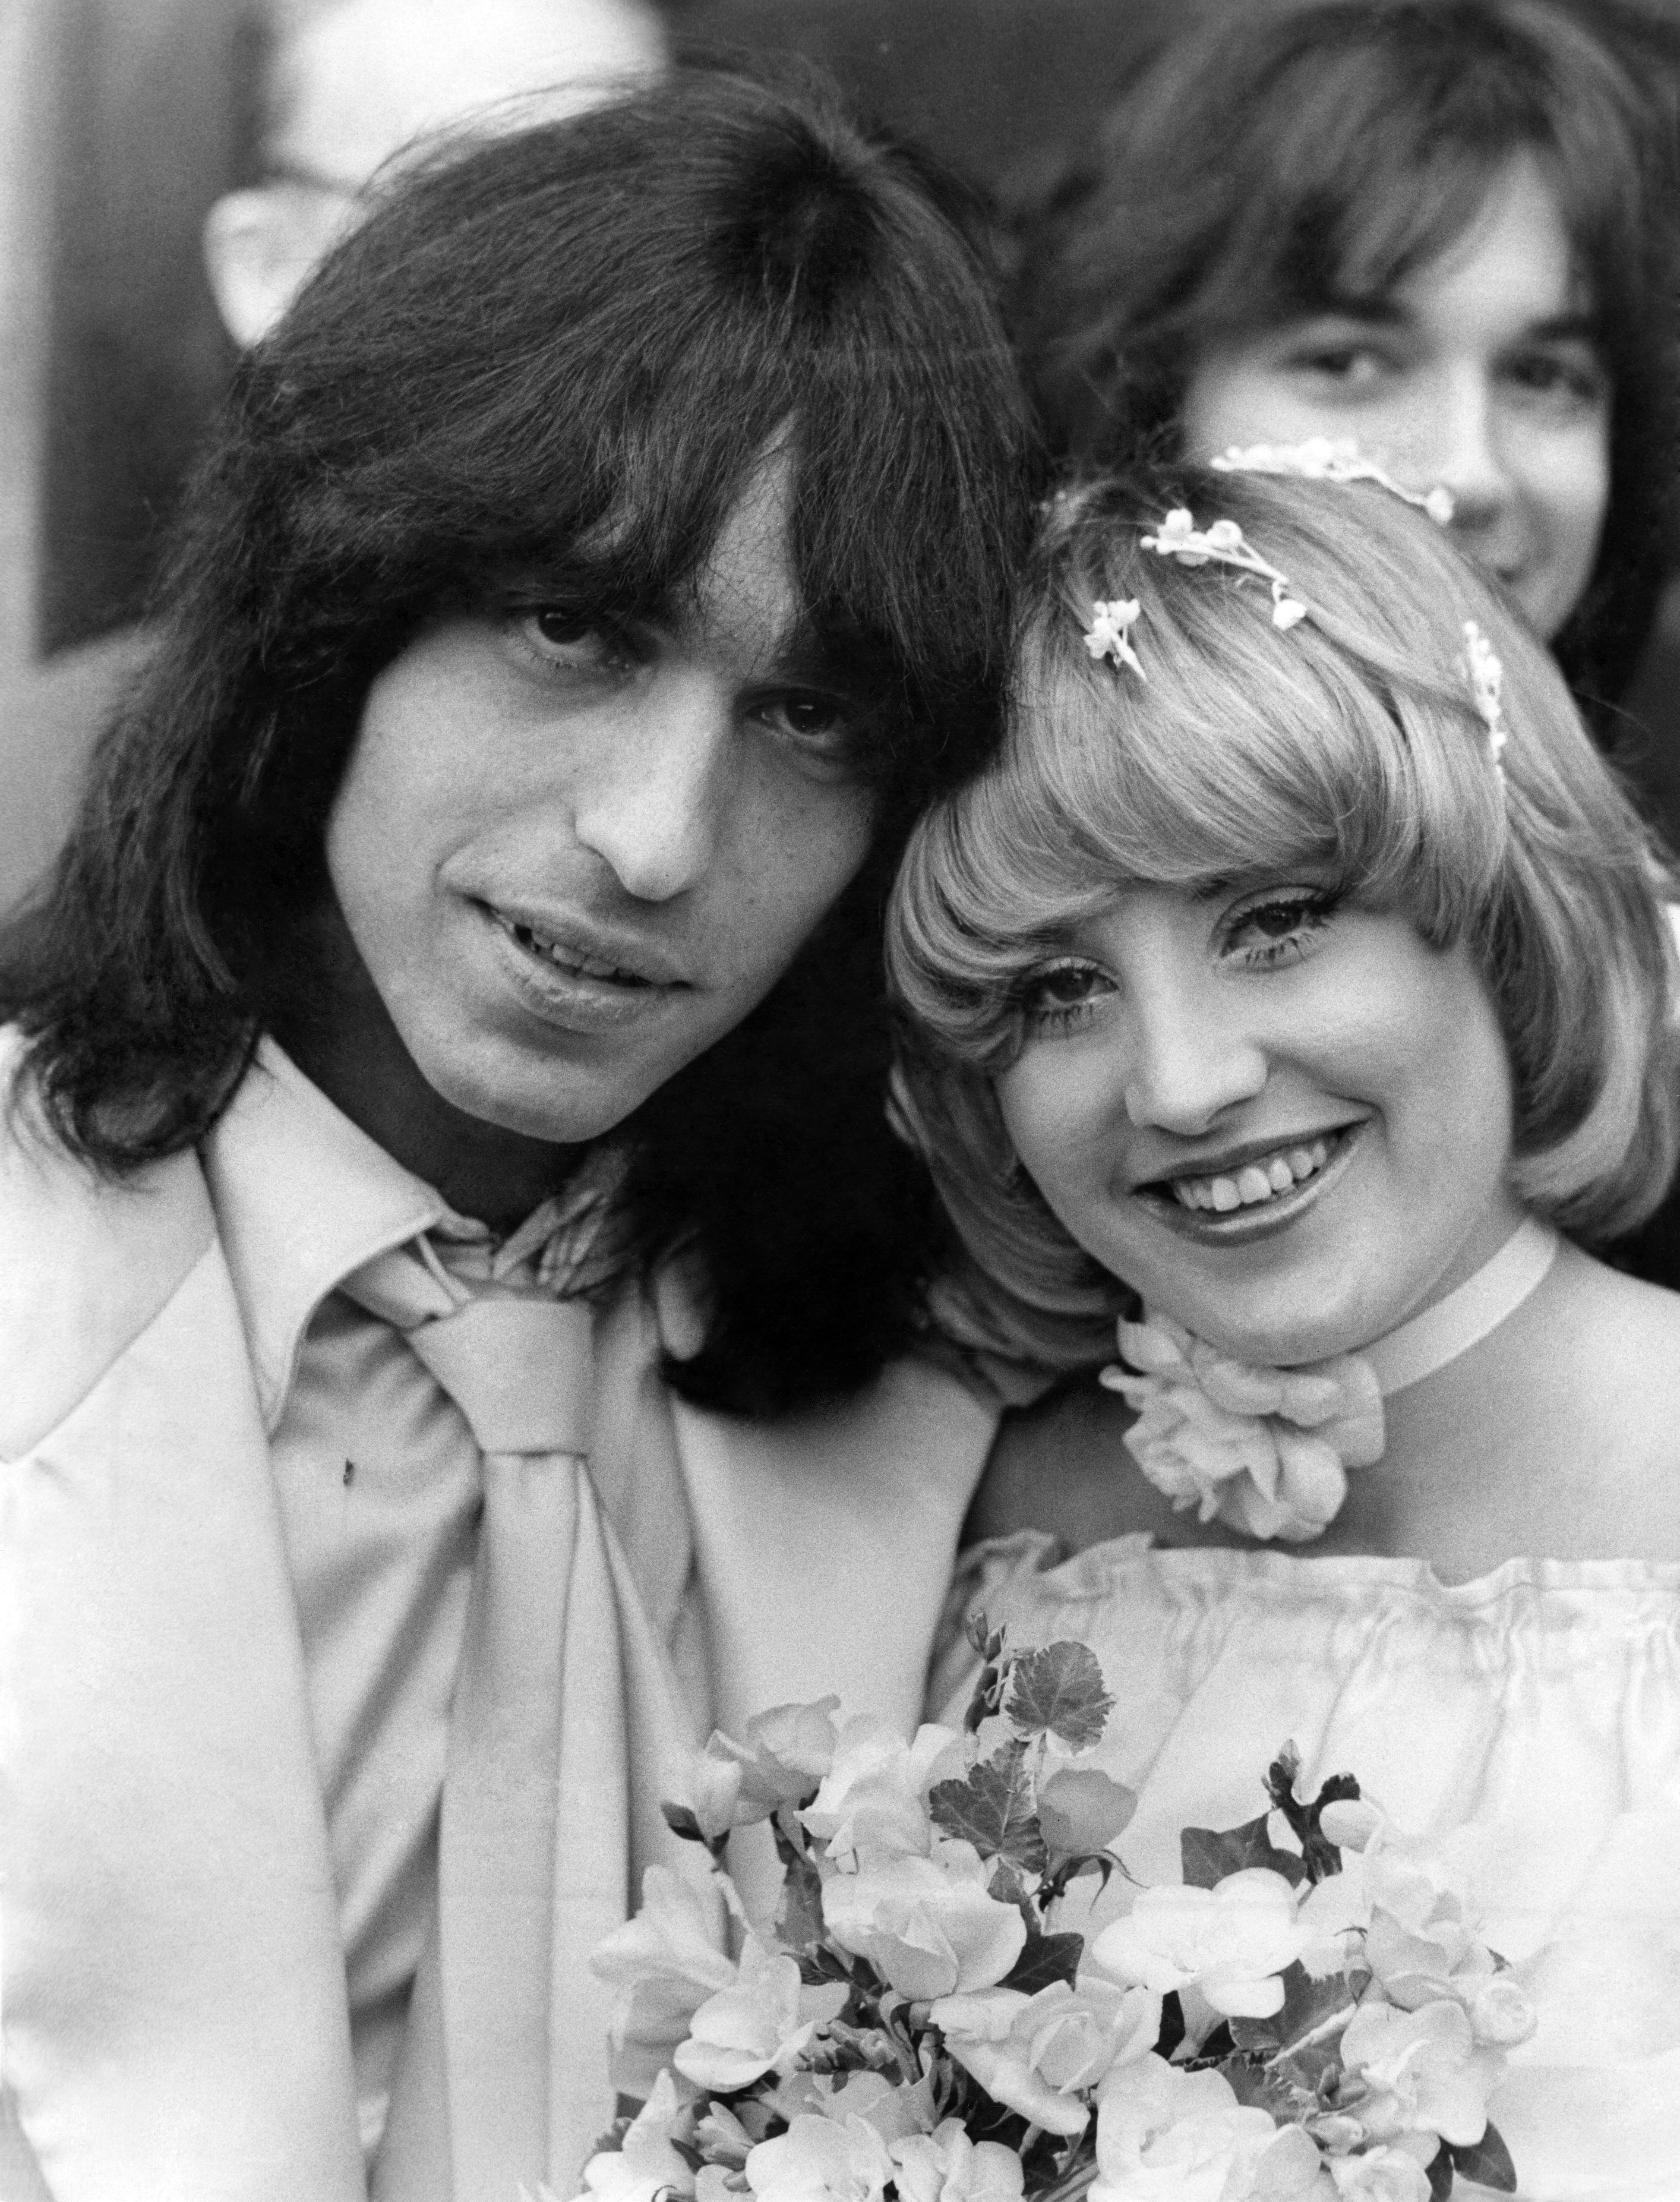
(302, 1197)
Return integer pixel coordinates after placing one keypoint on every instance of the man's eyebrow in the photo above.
(1567, 328)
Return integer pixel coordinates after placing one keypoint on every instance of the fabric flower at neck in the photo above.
(1264, 1450)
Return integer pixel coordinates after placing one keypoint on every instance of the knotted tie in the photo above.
(565, 1731)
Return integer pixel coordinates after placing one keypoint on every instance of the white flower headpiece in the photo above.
(1322, 458)
(1486, 676)
(1109, 634)
(1224, 544)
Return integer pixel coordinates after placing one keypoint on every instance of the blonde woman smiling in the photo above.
(1300, 964)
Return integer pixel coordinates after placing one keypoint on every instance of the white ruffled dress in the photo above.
(1542, 1702)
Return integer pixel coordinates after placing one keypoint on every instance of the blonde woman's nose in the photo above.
(1186, 1065)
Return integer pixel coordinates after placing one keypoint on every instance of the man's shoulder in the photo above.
(86, 1262)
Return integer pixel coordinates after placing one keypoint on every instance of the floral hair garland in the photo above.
(1321, 459)
(1108, 634)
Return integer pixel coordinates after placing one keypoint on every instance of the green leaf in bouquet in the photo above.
(1046, 1959)
(992, 1808)
(799, 1915)
(1488, 2160)
(1307, 2004)
(1058, 1691)
(1208, 1854)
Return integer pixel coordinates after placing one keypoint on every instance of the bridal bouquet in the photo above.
(1308, 2014)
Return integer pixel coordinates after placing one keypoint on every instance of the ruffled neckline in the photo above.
(1034, 1550)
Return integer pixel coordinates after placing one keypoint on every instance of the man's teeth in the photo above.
(1255, 1181)
(570, 959)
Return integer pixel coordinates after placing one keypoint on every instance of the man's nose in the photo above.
(658, 787)
(1462, 448)
(1189, 1060)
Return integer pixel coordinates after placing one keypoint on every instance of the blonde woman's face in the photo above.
(1284, 1119)
(1481, 371)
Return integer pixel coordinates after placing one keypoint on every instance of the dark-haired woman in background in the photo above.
(1445, 229)
(456, 1272)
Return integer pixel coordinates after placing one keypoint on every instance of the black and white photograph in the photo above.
(839, 1100)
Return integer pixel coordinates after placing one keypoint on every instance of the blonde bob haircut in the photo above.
(1350, 742)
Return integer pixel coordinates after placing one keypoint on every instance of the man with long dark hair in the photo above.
(456, 1270)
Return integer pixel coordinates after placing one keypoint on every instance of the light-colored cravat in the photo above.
(567, 1730)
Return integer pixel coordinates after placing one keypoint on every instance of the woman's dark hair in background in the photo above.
(558, 359)
(1282, 154)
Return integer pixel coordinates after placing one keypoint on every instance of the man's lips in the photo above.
(582, 951)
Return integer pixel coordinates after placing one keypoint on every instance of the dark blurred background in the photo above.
(129, 117)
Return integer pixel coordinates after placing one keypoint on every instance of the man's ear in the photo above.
(258, 249)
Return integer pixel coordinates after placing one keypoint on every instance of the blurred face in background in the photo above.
(366, 80)
(1480, 371)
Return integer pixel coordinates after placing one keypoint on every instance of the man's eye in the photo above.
(560, 636)
(810, 718)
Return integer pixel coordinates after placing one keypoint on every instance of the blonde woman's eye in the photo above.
(1277, 928)
(1062, 995)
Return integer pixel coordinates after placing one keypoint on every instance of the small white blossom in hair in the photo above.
(1324, 458)
(1109, 634)
(1486, 676)
(1224, 544)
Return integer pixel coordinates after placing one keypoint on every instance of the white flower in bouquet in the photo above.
(821, 2160)
(667, 1962)
(645, 2163)
(1311, 2016)
(1384, 2175)
(1039, 2053)
(947, 2166)
(930, 1925)
(1416, 2072)
(874, 1794)
(761, 2023)
(1230, 1941)
(785, 1750)
(1164, 2134)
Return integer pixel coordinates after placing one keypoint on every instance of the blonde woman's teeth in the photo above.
(1261, 1179)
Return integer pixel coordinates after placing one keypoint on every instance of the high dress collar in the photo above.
(1266, 1450)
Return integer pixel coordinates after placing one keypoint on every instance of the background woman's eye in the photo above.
(1350, 366)
(1562, 379)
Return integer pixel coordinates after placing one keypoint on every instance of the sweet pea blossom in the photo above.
(1164, 2134)
(787, 1752)
(645, 2164)
(929, 1925)
(1409, 1907)
(760, 2023)
(1036, 2053)
(1230, 1941)
(1413, 2072)
(874, 1794)
(947, 2166)
(666, 1961)
(1382, 2175)
(821, 2160)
